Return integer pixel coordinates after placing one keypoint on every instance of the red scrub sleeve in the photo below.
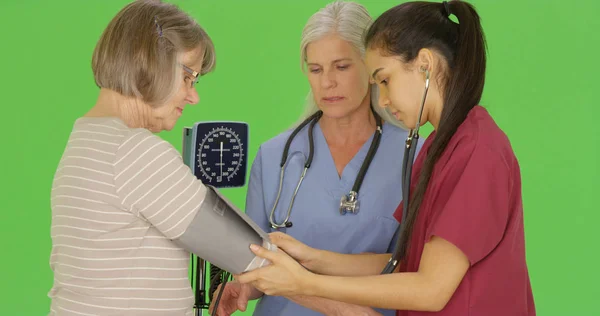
(476, 212)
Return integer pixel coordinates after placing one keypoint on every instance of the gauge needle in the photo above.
(221, 162)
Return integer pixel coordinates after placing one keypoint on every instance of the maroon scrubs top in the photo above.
(474, 201)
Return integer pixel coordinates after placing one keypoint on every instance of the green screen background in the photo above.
(543, 68)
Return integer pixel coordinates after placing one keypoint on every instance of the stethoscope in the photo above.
(409, 154)
(348, 203)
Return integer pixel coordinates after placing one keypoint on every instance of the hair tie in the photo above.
(158, 27)
(447, 8)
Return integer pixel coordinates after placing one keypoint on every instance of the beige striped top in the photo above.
(118, 198)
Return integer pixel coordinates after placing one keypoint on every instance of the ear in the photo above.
(425, 61)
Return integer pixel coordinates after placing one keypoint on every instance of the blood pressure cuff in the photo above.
(221, 234)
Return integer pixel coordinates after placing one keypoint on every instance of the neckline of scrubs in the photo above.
(351, 169)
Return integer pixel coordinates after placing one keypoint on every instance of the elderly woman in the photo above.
(351, 137)
(122, 198)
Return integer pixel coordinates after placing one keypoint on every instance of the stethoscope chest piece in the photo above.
(349, 203)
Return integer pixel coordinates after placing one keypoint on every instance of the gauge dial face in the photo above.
(220, 156)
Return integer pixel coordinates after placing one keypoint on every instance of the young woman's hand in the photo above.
(303, 254)
(284, 276)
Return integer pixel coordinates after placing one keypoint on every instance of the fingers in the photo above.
(247, 277)
(280, 239)
(229, 301)
(244, 292)
(243, 297)
(279, 236)
(285, 242)
(264, 253)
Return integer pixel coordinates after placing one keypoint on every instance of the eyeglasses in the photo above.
(193, 73)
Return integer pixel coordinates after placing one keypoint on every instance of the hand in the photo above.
(235, 297)
(283, 276)
(304, 254)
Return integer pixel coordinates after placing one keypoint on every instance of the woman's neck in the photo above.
(434, 110)
(353, 129)
(113, 104)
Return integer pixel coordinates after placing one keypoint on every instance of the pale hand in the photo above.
(235, 297)
(302, 253)
(282, 277)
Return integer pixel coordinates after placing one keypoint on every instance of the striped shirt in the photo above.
(119, 198)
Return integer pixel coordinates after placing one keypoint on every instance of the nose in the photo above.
(383, 99)
(328, 80)
(192, 97)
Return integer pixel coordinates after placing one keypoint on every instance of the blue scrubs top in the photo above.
(315, 215)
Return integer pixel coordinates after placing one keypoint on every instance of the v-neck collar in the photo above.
(335, 182)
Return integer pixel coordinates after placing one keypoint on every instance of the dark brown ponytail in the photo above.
(406, 29)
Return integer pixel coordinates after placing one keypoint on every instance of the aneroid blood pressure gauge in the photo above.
(217, 152)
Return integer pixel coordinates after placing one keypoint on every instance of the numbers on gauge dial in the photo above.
(220, 155)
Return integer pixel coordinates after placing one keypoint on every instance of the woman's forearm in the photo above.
(399, 291)
(332, 263)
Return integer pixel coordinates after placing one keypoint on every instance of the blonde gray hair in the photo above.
(139, 52)
(350, 21)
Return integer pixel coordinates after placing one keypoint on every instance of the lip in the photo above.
(180, 110)
(333, 99)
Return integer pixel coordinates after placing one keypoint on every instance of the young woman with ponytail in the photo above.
(462, 247)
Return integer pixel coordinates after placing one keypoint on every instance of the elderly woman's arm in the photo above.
(154, 184)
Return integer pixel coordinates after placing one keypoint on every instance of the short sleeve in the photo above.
(155, 184)
(255, 205)
(475, 188)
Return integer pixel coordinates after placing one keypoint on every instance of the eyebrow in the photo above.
(375, 72)
(333, 62)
